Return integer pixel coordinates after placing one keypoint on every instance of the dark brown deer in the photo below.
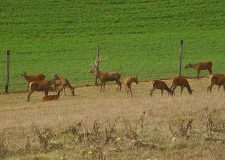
(64, 82)
(201, 66)
(44, 86)
(216, 79)
(128, 82)
(182, 82)
(105, 76)
(33, 77)
(52, 97)
(158, 84)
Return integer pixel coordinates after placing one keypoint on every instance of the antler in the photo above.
(100, 59)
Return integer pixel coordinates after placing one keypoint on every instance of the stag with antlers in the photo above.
(105, 76)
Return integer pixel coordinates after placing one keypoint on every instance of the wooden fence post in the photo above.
(7, 71)
(180, 58)
(97, 58)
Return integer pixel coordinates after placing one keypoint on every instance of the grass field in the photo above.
(142, 38)
(17, 118)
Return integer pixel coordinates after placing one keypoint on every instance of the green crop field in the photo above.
(137, 37)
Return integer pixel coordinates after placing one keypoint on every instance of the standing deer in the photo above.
(105, 76)
(182, 82)
(33, 77)
(127, 83)
(157, 84)
(216, 79)
(201, 66)
(64, 82)
(44, 86)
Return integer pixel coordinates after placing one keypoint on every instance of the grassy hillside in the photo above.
(53, 36)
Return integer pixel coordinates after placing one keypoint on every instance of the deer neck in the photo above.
(192, 65)
(97, 73)
(26, 77)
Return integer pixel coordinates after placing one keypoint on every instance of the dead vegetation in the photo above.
(101, 128)
(45, 138)
(121, 134)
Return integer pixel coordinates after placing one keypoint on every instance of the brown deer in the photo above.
(44, 86)
(33, 77)
(157, 84)
(216, 79)
(201, 66)
(52, 97)
(182, 82)
(64, 82)
(105, 76)
(127, 83)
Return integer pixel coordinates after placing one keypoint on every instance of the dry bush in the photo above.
(182, 128)
(213, 125)
(3, 149)
(45, 137)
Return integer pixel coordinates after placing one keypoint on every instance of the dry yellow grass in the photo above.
(89, 105)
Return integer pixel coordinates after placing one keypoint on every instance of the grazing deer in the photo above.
(182, 82)
(52, 97)
(64, 82)
(216, 79)
(33, 77)
(105, 76)
(201, 66)
(127, 83)
(44, 86)
(157, 84)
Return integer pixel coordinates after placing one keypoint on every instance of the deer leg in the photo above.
(161, 92)
(101, 86)
(198, 73)
(104, 86)
(72, 91)
(119, 85)
(46, 92)
(128, 88)
(219, 87)
(173, 89)
(210, 87)
(131, 92)
(151, 91)
(210, 70)
(28, 96)
(64, 91)
(182, 89)
(125, 88)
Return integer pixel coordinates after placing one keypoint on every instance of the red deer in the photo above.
(182, 82)
(44, 86)
(201, 66)
(127, 83)
(52, 97)
(157, 84)
(61, 81)
(33, 77)
(105, 76)
(216, 79)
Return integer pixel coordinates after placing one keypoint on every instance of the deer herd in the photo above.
(37, 82)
